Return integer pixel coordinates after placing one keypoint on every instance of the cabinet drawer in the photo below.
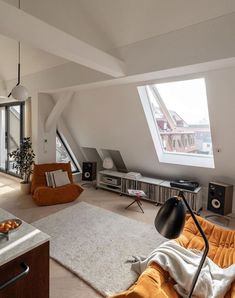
(27, 276)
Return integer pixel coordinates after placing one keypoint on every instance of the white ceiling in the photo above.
(110, 23)
(67, 15)
(32, 60)
(128, 21)
(106, 24)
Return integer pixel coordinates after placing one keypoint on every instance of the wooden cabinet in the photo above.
(26, 276)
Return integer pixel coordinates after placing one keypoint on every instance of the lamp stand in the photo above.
(205, 252)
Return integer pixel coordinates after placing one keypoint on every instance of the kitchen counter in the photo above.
(21, 241)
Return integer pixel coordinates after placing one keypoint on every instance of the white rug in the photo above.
(95, 243)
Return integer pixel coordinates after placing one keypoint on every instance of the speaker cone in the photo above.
(216, 203)
(87, 174)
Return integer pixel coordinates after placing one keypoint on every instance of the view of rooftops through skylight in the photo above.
(181, 114)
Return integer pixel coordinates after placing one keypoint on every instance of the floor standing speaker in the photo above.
(89, 171)
(220, 198)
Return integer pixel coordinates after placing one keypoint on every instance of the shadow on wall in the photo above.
(92, 154)
(116, 156)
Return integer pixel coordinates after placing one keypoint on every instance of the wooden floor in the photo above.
(64, 284)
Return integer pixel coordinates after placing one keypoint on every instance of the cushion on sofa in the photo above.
(39, 178)
(61, 178)
(50, 178)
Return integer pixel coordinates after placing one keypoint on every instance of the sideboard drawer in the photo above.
(27, 276)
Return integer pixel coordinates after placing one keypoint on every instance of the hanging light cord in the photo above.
(18, 81)
(18, 55)
(18, 63)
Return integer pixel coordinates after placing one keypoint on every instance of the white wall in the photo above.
(113, 118)
(45, 141)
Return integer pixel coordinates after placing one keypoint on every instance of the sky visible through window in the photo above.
(187, 98)
(181, 115)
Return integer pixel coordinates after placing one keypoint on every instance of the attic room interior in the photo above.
(116, 149)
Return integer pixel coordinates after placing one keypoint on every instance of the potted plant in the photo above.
(23, 158)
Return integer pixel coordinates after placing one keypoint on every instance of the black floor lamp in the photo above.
(169, 222)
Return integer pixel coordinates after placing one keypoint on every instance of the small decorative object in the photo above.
(169, 222)
(108, 163)
(23, 158)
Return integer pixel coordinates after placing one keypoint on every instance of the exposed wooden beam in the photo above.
(151, 77)
(17, 24)
(57, 110)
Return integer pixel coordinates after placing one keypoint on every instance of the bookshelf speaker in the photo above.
(220, 198)
(89, 171)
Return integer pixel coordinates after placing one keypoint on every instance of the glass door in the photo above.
(14, 135)
(3, 151)
(11, 133)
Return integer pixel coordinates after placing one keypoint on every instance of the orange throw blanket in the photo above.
(154, 282)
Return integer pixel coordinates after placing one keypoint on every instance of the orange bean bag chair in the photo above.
(44, 195)
(154, 282)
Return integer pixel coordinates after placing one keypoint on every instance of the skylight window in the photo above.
(64, 153)
(178, 119)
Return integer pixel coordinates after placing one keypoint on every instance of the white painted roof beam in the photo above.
(22, 26)
(57, 110)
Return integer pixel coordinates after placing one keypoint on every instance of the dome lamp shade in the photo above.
(170, 219)
(19, 92)
(108, 163)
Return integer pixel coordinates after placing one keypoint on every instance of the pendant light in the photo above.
(19, 92)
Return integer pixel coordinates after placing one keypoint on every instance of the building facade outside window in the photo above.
(180, 115)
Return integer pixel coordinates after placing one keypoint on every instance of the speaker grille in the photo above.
(220, 197)
(89, 171)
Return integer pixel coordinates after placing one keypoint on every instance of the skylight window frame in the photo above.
(178, 158)
(70, 154)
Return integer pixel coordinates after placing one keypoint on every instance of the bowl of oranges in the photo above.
(9, 225)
